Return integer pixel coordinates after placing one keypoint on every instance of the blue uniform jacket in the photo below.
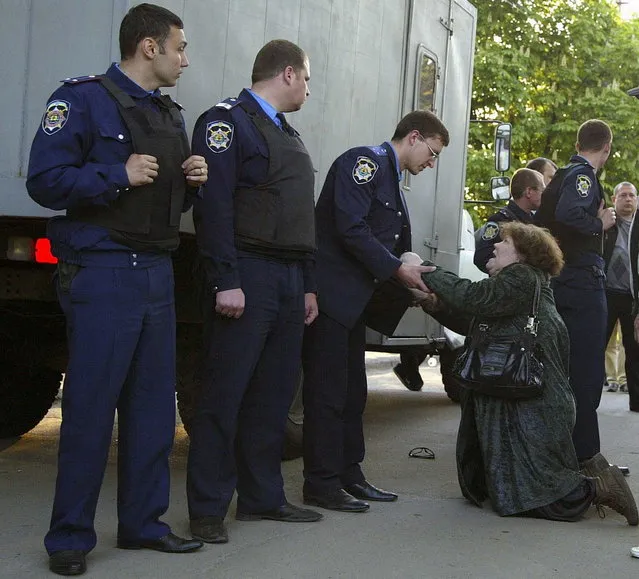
(238, 157)
(577, 206)
(488, 234)
(362, 227)
(78, 157)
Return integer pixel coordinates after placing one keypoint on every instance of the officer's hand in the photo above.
(141, 169)
(637, 329)
(411, 276)
(607, 215)
(230, 303)
(311, 309)
(196, 170)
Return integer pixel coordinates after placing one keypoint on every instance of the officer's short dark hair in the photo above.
(274, 57)
(522, 179)
(426, 123)
(539, 164)
(593, 135)
(146, 20)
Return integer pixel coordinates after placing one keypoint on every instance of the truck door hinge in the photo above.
(447, 24)
(432, 243)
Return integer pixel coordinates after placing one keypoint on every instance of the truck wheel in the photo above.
(451, 385)
(26, 394)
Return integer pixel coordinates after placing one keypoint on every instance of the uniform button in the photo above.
(375, 280)
(135, 263)
(120, 136)
(215, 288)
(387, 203)
(127, 189)
(399, 213)
(92, 76)
(134, 255)
(397, 236)
(74, 80)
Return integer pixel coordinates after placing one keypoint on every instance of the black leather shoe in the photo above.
(168, 544)
(68, 562)
(209, 530)
(366, 491)
(338, 500)
(287, 513)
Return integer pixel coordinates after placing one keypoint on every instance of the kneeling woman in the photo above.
(519, 453)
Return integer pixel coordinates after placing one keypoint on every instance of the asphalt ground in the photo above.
(430, 532)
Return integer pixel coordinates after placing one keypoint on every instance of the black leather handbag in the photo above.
(507, 365)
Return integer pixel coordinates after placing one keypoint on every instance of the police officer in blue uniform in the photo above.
(256, 237)
(362, 228)
(573, 209)
(526, 188)
(113, 153)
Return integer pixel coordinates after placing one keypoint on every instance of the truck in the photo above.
(372, 61)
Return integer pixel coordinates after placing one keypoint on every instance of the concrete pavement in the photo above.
(431, 532)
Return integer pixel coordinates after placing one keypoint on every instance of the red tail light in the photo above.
(43, 251)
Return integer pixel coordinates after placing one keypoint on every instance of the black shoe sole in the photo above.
(262, 517)
(379, 500)
(342, 509)
(215, 541)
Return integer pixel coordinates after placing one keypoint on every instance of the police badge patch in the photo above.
(219, 136)
(583, 185)
(55, 117)
(491, 230)
(364, 170)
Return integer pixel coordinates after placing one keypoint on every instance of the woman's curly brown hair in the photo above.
(535, 245)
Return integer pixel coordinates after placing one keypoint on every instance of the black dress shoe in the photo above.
(68, 562)
(287, 513)
(366, 491)
(168, 544)
(338, 500)
(209, 530)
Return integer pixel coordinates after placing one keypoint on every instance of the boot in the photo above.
(594, 466)
(612, 490)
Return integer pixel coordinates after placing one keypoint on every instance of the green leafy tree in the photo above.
(546, 66)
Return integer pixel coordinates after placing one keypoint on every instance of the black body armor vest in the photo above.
(278, 214)
(147, 218)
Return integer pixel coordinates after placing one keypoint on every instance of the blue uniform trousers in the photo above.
(121, 337)
(251, 367)
(581, 301)
(335, 394)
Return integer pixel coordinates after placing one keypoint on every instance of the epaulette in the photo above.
(379, 150)
(79, 79)
(227, 104)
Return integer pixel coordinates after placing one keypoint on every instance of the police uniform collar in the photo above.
(392, 153)
(580, 159)
(246, 97)
(128, 85)
(512, 206)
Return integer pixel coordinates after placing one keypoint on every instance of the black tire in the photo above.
(452, 387)
(26, 394)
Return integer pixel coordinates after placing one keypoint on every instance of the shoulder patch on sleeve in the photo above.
(490, 231)
(81, 79)
(227, 104)
(219, 136)
(583, 185)
(55, 116)
(364, 170)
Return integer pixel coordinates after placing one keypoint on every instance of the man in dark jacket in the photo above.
(618, 286)
(362, 229)
(526, 188)
(113, 153)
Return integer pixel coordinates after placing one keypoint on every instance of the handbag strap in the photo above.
(533, 322)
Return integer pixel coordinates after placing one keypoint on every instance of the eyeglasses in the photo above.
(433, 155)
